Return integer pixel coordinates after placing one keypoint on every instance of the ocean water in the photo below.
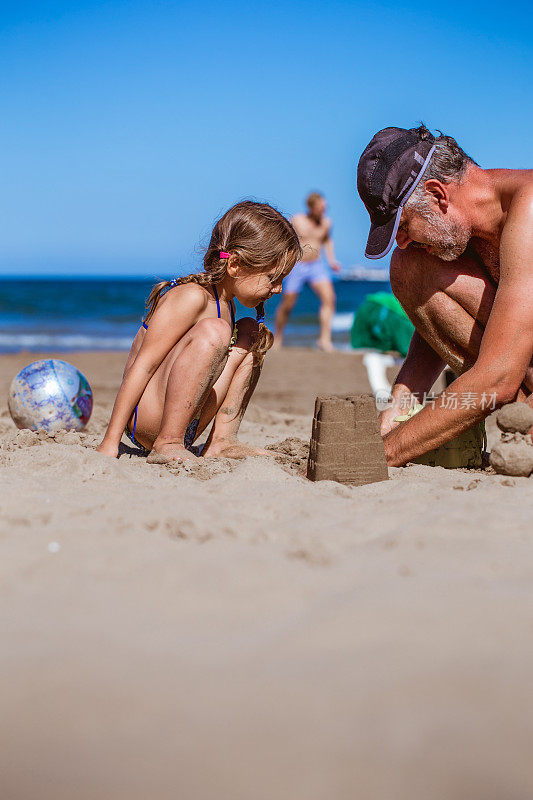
(61, 314)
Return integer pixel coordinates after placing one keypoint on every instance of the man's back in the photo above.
(508, 185)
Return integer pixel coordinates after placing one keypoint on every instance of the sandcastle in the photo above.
(346, 445)
(514, 454)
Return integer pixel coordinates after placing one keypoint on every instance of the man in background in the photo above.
(314, 231)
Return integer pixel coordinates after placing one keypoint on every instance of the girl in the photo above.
(190, 362)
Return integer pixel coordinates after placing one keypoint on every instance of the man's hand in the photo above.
(335, 266)
(387, 416)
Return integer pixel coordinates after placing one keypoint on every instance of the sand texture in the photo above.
(229, 630)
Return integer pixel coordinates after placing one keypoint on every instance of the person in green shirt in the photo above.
(381, 324)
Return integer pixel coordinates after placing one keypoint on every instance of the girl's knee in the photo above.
(212, 333)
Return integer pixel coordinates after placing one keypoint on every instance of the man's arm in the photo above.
(504, 356)
(296, 221)
(329, 249)
(420, 370)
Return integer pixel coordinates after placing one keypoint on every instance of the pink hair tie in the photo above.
(224, 255)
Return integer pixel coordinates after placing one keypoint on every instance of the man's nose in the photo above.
(402, 240)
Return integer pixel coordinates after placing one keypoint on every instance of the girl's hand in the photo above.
(107, 449)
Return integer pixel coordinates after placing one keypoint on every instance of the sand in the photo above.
(234, 631)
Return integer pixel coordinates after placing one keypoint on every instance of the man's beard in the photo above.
(447, 238)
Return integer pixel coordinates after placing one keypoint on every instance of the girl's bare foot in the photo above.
(166, 453)
(107, 449)
(325, 346)
(225, 448)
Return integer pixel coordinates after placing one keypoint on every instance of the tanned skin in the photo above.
(314, 233)
(474, 313)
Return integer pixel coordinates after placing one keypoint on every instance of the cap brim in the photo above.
(381, 237)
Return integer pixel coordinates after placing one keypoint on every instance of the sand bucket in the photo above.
(466, 450)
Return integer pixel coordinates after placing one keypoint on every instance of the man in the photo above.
(314, 231)
(463, 272)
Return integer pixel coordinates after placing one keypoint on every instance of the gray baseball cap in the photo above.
(388, 172)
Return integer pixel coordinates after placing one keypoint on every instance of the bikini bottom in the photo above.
(190, 435)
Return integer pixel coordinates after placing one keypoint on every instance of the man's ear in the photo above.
(440, 193)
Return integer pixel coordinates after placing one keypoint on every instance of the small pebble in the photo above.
(54, 547)
(508, 482)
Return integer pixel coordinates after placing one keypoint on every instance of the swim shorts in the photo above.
(306, 272)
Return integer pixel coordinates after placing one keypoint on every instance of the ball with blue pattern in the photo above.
(50, 395)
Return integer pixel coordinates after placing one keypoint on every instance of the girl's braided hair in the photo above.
(261, 238)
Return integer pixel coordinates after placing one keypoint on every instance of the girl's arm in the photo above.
(171, 321)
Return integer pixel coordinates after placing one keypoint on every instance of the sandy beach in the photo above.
(231, 630)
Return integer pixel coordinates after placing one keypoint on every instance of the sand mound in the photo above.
(515, 418)
(513, 454)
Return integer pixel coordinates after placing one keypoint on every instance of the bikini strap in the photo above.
(218, 301)
(231, 311)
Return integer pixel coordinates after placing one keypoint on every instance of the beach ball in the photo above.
(50, 395)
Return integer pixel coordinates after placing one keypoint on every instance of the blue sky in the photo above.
(127, 128)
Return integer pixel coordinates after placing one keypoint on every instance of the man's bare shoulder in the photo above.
(524, 194)
(300, 223)
(298, 219)
(520, 210)
(516, 242)
(506, 174)
(510, 182)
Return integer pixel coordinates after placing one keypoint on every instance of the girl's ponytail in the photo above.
(264, 338)
(154, 296)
